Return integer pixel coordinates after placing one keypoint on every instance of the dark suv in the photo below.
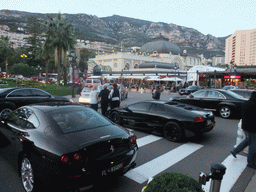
(14, 97)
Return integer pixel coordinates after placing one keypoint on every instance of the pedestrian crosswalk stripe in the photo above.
(235, 167)
(147, 139)
(159, 164)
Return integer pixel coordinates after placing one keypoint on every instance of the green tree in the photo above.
(6, 50)
(59, 35)
(23, 69)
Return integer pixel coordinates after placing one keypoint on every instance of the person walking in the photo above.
(249, 129)
(104, 100)
(94, 98)
(114, 97)
(157, 93)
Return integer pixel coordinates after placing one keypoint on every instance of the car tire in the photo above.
(27, 174)
(173, 132)
(225, 111)
(5, 111)
(115, 117)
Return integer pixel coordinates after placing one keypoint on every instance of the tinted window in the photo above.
(78, 120)
(215, 94)
(157, 108)
(23, 118)
(21, 93)
(144, 107)
(39, 93)
(89, 81)
(96, 81)
(199, 94)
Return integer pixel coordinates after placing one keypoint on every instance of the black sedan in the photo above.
(224, 102)
(65, 144)
(190, 89)
(174, 120)
(14, 97)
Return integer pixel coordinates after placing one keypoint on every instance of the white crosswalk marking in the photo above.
(159, 164)
(235, 166)
(146, 140)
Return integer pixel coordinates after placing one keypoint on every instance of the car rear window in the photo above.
(75, 120)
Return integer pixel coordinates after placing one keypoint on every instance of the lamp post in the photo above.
(175, 68)
(72, 58)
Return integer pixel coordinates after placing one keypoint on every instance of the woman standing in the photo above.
(114, 96)
(94, 98)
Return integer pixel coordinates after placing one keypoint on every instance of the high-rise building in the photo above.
(241, 48)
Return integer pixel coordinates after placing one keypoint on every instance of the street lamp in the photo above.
(175, 68)
(72, 58)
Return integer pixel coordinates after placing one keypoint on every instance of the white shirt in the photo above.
(94, 97)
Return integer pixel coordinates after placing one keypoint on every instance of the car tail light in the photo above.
(199, 119)
(65, 159)
(77, 157)
(81, 93)
(133, 139)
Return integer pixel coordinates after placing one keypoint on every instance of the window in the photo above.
(78, 120)
(157, 108)
(144, 107)
(39, 93)
(199, 94)
(21, 93)
(23, 118)
(215, 94)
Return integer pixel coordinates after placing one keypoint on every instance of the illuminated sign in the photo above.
(232, 77)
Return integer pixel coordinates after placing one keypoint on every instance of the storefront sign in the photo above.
(232, 77)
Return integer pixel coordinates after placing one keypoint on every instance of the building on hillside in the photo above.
(241, 48)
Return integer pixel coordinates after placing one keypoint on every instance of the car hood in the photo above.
(91, 136)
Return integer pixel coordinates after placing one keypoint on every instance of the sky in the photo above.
(219, 18)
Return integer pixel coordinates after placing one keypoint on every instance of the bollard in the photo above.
(217, 172)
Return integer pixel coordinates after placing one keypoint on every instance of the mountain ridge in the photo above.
(129, 31)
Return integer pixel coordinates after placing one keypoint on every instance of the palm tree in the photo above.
(6, 50)
(59, 36)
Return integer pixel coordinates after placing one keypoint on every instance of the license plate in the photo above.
(112, 169)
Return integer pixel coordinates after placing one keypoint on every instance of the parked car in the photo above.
(226, 103)
(246, 93)
(173, 119)
(230, 87)
(14, 97)
(85, 97)
(63, 144)
(92, 82)
(190, 89)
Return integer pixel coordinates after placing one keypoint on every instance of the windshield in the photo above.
(235, 95)
(76, 120)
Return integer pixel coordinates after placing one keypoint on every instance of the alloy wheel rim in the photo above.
(27, 175)
(225, 112)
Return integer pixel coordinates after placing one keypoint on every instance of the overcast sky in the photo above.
(219, 18)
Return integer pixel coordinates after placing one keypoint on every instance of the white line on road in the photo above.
(147, 139)
(159, 164)
(235, 167)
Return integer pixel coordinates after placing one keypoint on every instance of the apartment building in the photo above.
(241, 48)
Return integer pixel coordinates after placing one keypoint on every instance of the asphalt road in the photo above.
(157, 155)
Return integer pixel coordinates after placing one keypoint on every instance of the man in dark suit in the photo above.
(104, 100)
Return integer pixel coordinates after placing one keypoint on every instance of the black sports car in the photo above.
(226, 103)
(174, 120)
(65, 144)
(190, 89)
(14, 97)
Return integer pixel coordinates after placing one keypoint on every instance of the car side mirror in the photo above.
(191, 96)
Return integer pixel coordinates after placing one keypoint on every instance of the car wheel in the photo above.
(225, 112)
(115, 117)
(173, 132)
(5, 112)
(27, 175)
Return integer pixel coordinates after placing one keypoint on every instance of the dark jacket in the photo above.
(156, 95)
(248, 114)
(104, 95)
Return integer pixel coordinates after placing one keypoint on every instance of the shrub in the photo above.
(173, 182)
